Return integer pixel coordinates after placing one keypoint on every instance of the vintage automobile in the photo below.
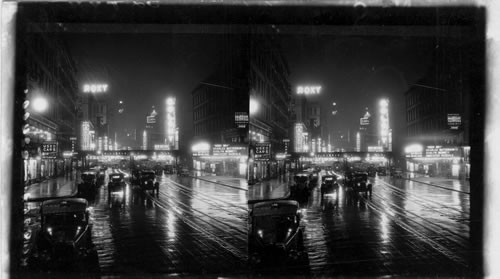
(89, 183)
(357, 182)
(381, 171)
(116, 184)
(148, 181)
(135, 177)
(274, 231)
(64, 237)
(300, 189)
(329, 185)
(184, 172)
(158, 170)
(169, 169)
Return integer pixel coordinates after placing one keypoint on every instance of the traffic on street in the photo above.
(407, 227)
(156, 139)
(193, 226)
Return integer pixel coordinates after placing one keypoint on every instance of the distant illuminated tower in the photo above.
(384, 124)
(358, 142)
(144, 140)
(171, 123)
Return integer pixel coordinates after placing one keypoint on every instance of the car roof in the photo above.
(281, 207)
(64, 205)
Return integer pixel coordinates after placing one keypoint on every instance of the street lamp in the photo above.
(254, 106)
(40, 104)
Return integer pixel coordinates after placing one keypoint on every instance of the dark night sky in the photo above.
(142, 69)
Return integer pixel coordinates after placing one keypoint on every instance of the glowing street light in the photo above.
(40, 104)
(254, 106)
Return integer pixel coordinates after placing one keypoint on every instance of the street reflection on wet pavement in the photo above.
(192, 227)
(406, 228)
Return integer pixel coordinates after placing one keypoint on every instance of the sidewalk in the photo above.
(61, 186)
(272, 189)
(442, 182)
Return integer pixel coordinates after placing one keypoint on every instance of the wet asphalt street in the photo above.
(195, 227)
(406, 228)
(191, 227)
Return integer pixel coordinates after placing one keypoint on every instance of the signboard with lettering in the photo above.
(49, 149)
(364, 121)
(263, 151)
(150, 119)
(241, 119)
(437, 151)
(228, 150)
(308, 90)
(454, 121)
(375, 149)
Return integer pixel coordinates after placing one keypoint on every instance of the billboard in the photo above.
(228, 150)
(454, 121)
(241, 119)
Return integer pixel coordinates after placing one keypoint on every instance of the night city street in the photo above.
(234, 141)
(406, 228)
(193, 227)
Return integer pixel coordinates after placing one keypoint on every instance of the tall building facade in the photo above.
(437, 114)
(271, 91)
(51, 77)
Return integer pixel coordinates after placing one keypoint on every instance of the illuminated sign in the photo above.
(95, 88)
(171, 121)
(437, 151)
(150, 119)
(454, 121)
(262, 151)
(86, 139)
(364, 121)
(227, 150)
(162, 147)
(49, 149)
(414, 151)
(262, 148)
(308, 90)
(241, 119)
(375, 149)
(384, 121)
(299, 137)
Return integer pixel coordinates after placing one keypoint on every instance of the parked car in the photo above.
(89, 183)
(64, 237)
(275, 231)
(329, 185)
(148, 182)
(357, 182)
(116, 184)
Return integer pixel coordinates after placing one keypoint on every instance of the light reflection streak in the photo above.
(384, 227)
(171, 225)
